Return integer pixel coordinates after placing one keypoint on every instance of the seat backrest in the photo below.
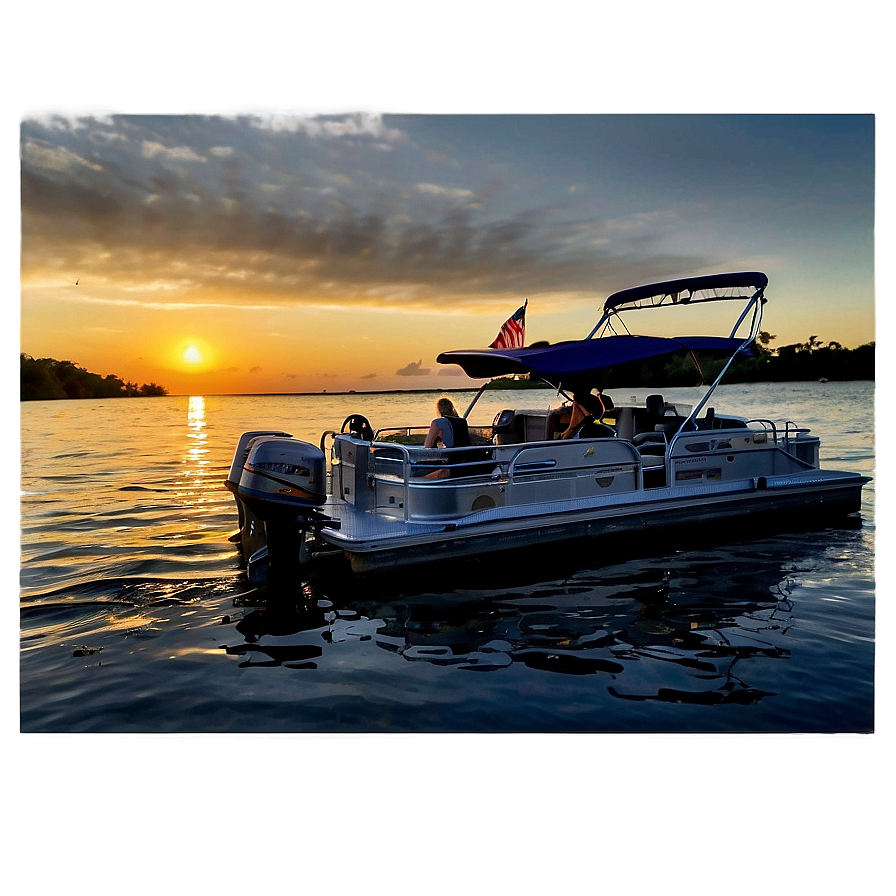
(656, 406)
(671, 425)
(558, 420)
(625, 422)
(461, 431)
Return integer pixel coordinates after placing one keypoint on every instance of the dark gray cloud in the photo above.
(335, 209)
(415, 368)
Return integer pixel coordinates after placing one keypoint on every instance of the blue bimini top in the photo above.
(581, 360)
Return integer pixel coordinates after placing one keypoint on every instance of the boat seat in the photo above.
(671, 425)
(650, 443)
(507, 428)
(460, 430)
(646, 419)
(624, 421)
(534, 427)
(558, 420)
(656, 405)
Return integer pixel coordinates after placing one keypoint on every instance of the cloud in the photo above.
(413, 369)
(56, 158)
(446, 192)
(369, 376)
(281, 211)
(359, 125)
(151, 148)
(255, 369)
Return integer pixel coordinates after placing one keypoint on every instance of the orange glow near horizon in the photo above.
(191, 355)
(304, 349)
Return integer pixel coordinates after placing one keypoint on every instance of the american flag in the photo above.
(513, 330)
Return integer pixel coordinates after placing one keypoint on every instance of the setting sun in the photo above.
(192, 355)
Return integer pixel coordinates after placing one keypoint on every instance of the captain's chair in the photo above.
(656, 408)
(461, 431)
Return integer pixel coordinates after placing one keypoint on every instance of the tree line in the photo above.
(811, 361)
(44, 379)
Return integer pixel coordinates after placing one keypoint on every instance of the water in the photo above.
(136, 617)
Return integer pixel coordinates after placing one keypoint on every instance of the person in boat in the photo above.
(448, 429)
(585, 406)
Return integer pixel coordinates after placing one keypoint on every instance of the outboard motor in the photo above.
(242, 452)
(283, 483)
(282, 478)
(232, 481)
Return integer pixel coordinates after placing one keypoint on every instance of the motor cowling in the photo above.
(282, 477)
(242, 452)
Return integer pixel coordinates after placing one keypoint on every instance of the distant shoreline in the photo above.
(465, 389)
(46, 379)
(469, 389)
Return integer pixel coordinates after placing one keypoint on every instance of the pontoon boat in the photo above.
(371, 496)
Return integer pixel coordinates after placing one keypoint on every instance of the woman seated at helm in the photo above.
(448, 429)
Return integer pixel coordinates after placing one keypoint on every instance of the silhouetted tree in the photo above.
(47, 379)
(153, 389)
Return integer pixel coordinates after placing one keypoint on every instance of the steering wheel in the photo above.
(358, 426)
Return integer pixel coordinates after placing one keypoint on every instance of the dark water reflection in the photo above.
(703, 627)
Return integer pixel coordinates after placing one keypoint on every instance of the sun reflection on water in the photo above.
(196, 472)
(197, 434)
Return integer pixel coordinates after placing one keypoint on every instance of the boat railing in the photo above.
(407, 468)
(392, 433)
(781, 434)
(395, 465)
(412, 461)
(327, 433)
(767, 425)
(792, 431)
(530, 459)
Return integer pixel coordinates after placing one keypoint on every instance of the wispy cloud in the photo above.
(151, 148)
(360, 125)
(446, 192)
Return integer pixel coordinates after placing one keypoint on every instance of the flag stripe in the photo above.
(513, 331)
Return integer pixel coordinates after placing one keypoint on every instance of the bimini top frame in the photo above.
(567, 364)
(746, 286)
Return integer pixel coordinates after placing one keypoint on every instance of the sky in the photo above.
(268, 251)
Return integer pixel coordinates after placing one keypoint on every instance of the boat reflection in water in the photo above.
(682, 629)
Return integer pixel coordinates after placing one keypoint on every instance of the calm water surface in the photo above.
(136, 617)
